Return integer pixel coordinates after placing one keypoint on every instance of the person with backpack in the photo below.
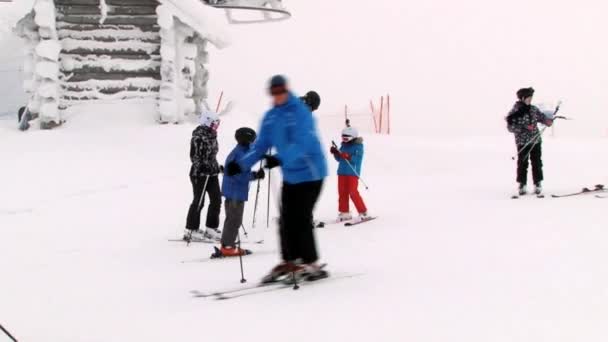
(235, 189)
(523, 122)
(290, 128)
(350, 159)
(204, 176)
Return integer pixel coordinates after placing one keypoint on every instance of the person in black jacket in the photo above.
(523, 122)
(204, 178)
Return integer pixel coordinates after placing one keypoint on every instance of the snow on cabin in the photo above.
(107, 50)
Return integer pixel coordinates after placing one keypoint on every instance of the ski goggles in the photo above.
(280, 90)
(347, 138)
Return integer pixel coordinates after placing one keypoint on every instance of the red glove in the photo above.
(345, 155)
(531, 127)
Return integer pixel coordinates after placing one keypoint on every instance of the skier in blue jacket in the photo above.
(235, 189)
(290, 128)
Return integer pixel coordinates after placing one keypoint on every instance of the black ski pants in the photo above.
(200, 186)
(531, 153)
(297, 228)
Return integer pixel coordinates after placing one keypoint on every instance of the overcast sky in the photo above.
(450, 66)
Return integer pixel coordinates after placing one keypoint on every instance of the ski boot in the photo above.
(306, 272)
(523, 189)
(213, 234)
(343, 217)
(364, 216)
(227, 252)
(194, 235)
(538, 189)
(188, 235)
(279, 272)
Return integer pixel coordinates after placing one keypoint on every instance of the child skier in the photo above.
(204, 178)
(350, 157)
(523, 122)
(236, 192)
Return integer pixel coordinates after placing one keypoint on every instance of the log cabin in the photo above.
(86, 51)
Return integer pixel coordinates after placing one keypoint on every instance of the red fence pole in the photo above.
(219, 102)
(381, 111)
(388, 113)
(371, 104)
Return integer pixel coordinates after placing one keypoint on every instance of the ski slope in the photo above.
(87, 210)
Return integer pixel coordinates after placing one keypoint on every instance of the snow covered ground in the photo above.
(86, 212)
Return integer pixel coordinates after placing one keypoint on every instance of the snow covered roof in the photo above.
(202, 18)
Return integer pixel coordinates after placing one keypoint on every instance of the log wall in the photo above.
(112, 56)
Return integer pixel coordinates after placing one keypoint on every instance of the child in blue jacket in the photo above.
(236, 191)
(350, 157)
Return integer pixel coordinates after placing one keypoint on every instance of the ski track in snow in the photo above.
(450, 258)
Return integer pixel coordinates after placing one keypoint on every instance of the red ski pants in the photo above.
(347, 190)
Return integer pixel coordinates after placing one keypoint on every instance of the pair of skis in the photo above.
(599, 188)
(517, 196)
(350, 223)
(260, 288)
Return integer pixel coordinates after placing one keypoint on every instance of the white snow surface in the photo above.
(87, 210)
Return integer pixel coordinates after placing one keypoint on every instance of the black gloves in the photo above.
(334, 150)
(233, 169)
(271, 162)
(258, 174)
(221, 168)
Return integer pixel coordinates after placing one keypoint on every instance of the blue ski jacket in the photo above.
(237, 187)
(355, 151)
(291, 129)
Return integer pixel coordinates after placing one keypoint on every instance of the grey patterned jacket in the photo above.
(203, 152)
(520, 118)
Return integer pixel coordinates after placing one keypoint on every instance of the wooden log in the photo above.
(142, 20)
(156, 58)
(96, 26)
(113, 10)
(112, 51)
(107, 38)
(109, 2)
(111, 76)
(146, 70)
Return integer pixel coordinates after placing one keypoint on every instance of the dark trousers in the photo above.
(534, 154)
(297, 229)
(200, 186)
(234, 219)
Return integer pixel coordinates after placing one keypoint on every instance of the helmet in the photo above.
(312, 100)
(245, 136)
(349, 134)
(210, 119)
(277, 81)
(524, 93)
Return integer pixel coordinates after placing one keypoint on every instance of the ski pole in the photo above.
(532, 141)
(539, 135)
(201, 204)
(243, 280)
(352, 168)
(244, 230)
(257, 197)
(268, 201)
(8, 334)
